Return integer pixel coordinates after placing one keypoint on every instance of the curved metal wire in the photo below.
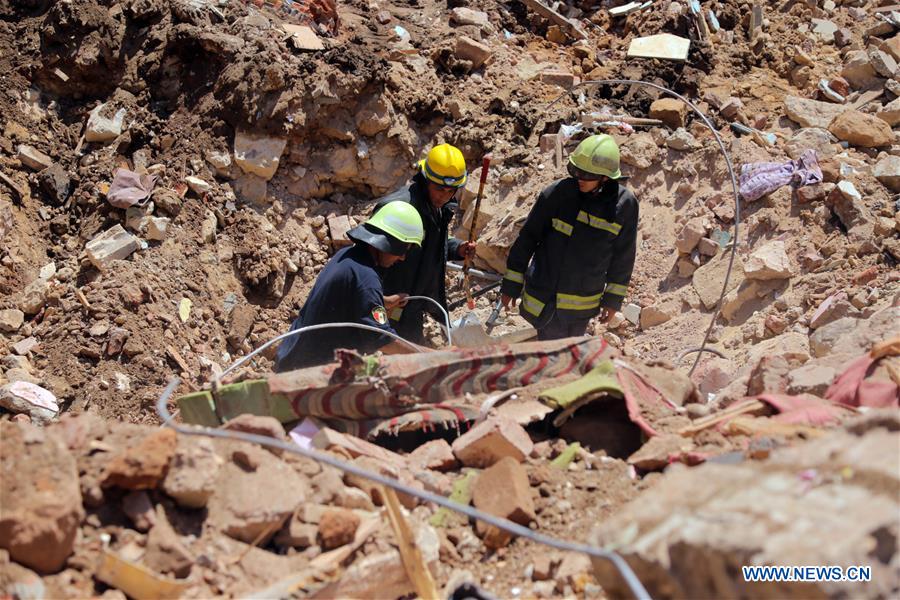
(734, 185)
(441, 308)
(217, 380)
(618, 562)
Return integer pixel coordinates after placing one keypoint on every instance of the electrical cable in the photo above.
(618, 562)
(692, 350)
(217, 380)
(734, 185)
(440, 308)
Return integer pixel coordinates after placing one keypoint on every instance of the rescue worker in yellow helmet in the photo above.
(349, 290)
(440, 175)
(575, 253)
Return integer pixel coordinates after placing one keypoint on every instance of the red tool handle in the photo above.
(485, 165)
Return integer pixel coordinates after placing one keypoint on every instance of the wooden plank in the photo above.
(138, 581)
(413, 562)
(889, 8)
(548, 13)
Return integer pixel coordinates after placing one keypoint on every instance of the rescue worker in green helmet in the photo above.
(432, 189)
(349, 289)
(574, 255)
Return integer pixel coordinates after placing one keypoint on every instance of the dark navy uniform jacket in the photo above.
(423, 272)
(348, 289)
(575, 252)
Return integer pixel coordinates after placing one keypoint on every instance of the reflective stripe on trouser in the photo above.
(514, 276)
(598, 223)
(532, 305)
(616, 288)
(562, 227)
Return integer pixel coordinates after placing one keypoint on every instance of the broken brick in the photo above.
(436, 455)
(337, 527)
(503, 491)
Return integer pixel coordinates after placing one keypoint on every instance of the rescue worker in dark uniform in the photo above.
(575, 253)
(423, 272)
(349, 290)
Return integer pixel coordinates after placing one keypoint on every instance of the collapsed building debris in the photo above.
(174, 175)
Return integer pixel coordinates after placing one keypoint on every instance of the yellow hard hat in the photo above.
(393, 228)
(595, 156)
(445, 166)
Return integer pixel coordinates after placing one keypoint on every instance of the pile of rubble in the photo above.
(211, 517)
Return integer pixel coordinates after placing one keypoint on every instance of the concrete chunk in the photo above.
(670, 111)
(664, 46)
(192, 474)
(887, 171)
(811, 113)
(33, 158)
(690, 235)
(492, 440)
(769, 261)
(436, 454)
(11, 319)
(113, 244)
(258, 154)
(338, 226)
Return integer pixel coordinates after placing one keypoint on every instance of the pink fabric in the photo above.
(639, 397)
(852, 388)
(130, 189)
(804, 409)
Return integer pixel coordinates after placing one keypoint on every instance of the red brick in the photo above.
(503, 491)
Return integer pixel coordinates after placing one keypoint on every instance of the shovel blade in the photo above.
(468, 332)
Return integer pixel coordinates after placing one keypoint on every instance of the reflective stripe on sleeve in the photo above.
(514, 276)
(532, 304)
(617, 289)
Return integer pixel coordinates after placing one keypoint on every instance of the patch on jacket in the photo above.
(380, 315)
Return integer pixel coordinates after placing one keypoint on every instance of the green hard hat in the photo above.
(595, 156)
(392, 229)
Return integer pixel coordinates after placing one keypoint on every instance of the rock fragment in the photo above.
(769, 261)
(40, 496)
(193, 472)
(113, 244)
(143, 465)
(860, 129)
